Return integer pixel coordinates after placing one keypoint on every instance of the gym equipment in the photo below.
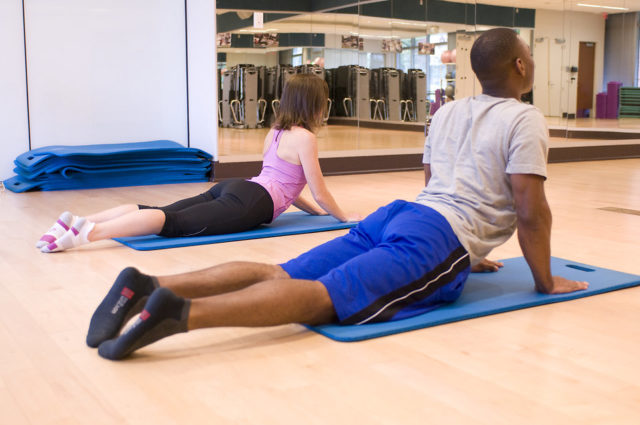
(282, 75)
(225, 117)
(329, 77)
(310, 69)
(241, 105)
(363, 108)
(351, 91)
(449, 91)
(320, 72)
(344, 89)
(414, 96)
(439, 101)
(354, 91)
(292, 223)
(509, 289)
(387, 98)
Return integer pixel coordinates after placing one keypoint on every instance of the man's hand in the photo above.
(486, 266)
(562, 286)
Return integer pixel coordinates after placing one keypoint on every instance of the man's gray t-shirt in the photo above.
(473, 145)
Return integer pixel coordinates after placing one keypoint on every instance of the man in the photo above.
(485, 166)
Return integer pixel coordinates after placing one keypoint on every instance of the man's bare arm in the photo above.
(534, 234)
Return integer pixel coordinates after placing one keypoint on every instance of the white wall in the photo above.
(14, 132)
(573, 27)
(203, 93)
(467, 84)
(106, 72)
(334, 58)
(253, 58)
(549, 75)
(621, 53)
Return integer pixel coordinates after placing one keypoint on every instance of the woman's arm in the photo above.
(307, 206)
(308, 155)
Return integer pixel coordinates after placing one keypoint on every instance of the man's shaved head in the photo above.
(493, 53)
(502, 62)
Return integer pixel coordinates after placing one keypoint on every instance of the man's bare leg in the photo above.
(221, 279)
(268, 303)
(128, 294)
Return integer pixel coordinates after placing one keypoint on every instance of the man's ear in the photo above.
(520, 68)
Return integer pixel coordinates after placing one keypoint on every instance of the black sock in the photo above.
(164, 314)
(124, 300)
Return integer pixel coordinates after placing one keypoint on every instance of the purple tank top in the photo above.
(283, 180)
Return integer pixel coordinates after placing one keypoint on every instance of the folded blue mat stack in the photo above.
(108, 165)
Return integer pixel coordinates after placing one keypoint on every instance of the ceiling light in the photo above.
(256, 31)
(602, 7)
(243, 14)
(409, 23)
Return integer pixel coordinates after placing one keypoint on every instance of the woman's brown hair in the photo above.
(303, 103)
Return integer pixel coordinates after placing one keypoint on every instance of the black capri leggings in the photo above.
(228, 207)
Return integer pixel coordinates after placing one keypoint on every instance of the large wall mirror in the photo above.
(391, 64)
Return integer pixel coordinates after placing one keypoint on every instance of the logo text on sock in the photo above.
(121, 302)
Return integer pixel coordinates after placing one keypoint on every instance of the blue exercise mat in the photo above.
(95, 181)
(511, 288)
(292, 223)
(156, 147)
(108, 165)
(61, 165)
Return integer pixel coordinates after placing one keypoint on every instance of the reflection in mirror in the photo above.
(621, 66)
(257, 53)
(550, 49)
(377, 76)
(586, 56)
(382, 90)
(569, 51)
(369, 90)
(391, 64)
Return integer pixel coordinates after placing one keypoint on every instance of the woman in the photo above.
(290, 162)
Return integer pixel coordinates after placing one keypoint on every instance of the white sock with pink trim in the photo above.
(59, 228)
(77, 235)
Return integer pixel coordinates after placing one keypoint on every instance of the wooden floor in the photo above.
(632, 124)
(339, 140)
(569, 363)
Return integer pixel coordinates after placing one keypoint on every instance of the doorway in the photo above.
(586, 63)
(548, 90)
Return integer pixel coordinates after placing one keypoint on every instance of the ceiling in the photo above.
(632, 5)
(362, 25)
(610, 6)
(397, 28)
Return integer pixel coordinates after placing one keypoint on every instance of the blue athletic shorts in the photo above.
(400, 261)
